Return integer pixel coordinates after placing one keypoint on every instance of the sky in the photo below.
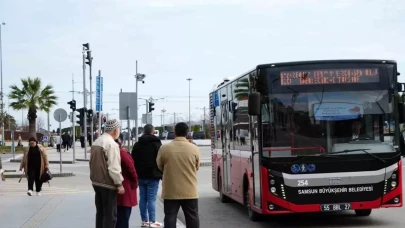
(178, 39)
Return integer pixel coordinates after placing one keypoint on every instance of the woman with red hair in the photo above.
(129, 199)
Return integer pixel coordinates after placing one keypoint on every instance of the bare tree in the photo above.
(40, 123)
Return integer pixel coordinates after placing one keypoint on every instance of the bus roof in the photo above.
(281, 64)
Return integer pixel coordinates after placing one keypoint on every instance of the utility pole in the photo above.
(138, 78)
(85, 47)
(163, 118)
(2, 91)
(189, 103)
(204, 118)
(49, 130)
(99, 113)
(91, 97)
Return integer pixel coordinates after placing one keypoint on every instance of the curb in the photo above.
(15, 175)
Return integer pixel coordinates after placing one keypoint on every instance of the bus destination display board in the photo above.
(329, 76)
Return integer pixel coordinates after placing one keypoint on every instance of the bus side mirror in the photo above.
(254, 104)
(401, 112)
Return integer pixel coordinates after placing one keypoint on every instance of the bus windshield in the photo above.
(300, 123)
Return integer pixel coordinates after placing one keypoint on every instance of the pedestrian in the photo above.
(129, 199)
(144, 154)
(105, 175)
(34, 163)
(180, 160)
(65, 141)
(58, 143)
(82, 141)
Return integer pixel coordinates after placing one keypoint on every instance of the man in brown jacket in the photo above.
(105, 175)
(179, 160)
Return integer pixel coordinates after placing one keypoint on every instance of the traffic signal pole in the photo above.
(85, 102)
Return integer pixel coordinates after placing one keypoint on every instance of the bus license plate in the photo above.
(335, 207)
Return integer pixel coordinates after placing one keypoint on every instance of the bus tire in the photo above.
(223, 198)
(363, 213)
(253, 216)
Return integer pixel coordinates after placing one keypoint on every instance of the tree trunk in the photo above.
(32, 117)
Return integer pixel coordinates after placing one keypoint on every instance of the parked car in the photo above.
(196, 135)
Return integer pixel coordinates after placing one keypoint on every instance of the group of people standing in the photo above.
(116, 174)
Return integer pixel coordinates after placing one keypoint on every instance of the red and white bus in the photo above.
(309, 137)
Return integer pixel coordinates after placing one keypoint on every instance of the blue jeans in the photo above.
(148, 189)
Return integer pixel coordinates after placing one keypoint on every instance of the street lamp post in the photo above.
(189, 103)
(138, 78)
(1, 92)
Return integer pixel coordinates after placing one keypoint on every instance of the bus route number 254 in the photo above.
(302, 183)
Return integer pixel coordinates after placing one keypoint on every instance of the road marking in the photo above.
(10, 188)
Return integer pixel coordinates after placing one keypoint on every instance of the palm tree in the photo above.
(32, 97)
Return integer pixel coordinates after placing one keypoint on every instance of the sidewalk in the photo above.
(54, 156)
(59, 211)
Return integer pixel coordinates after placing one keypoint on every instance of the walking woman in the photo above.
(129, 199)
(34, 163)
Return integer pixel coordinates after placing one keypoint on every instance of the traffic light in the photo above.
(104, 119)
(89, 59)
(90, 114)
(86, 46)
(72, 104)
(151, 108)
(98, 115)
(80, 117)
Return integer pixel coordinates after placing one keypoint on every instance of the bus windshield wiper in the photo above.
(354, 150)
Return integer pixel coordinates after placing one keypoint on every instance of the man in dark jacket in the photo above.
(144, 154)
(65, 141)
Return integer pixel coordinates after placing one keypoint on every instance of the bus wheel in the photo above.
(253, 216)
(223, 198)
(362, 213)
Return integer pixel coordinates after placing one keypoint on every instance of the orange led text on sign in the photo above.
(339, 76)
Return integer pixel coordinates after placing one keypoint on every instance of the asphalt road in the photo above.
(213, 213)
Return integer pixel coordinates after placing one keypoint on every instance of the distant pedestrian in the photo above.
(34, 163)
(180, 160)
(129, 199)
(58, 140)
(105, 175)
(82, 141)
(65, 142)
(144, 154)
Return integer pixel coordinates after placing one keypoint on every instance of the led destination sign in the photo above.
(329, 76)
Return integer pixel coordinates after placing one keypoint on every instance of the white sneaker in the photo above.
(38, 193)
(29, 193)
(155, 224)
(145, 224)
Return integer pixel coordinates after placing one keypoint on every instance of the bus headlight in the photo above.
(394, 176)
(393, 184)
(272, 182)
(273, 190)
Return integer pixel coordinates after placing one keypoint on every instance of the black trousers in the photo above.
(34, 177)
(123, 215)
(190, 209)
(106, 207)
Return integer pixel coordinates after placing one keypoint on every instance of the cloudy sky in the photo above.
(177, 39)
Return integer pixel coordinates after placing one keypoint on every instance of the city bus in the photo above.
(309, 136)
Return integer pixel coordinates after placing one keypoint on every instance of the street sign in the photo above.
(60, 115)
(45, 138)
(146, 118)
(99, 93)
(128, 99)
